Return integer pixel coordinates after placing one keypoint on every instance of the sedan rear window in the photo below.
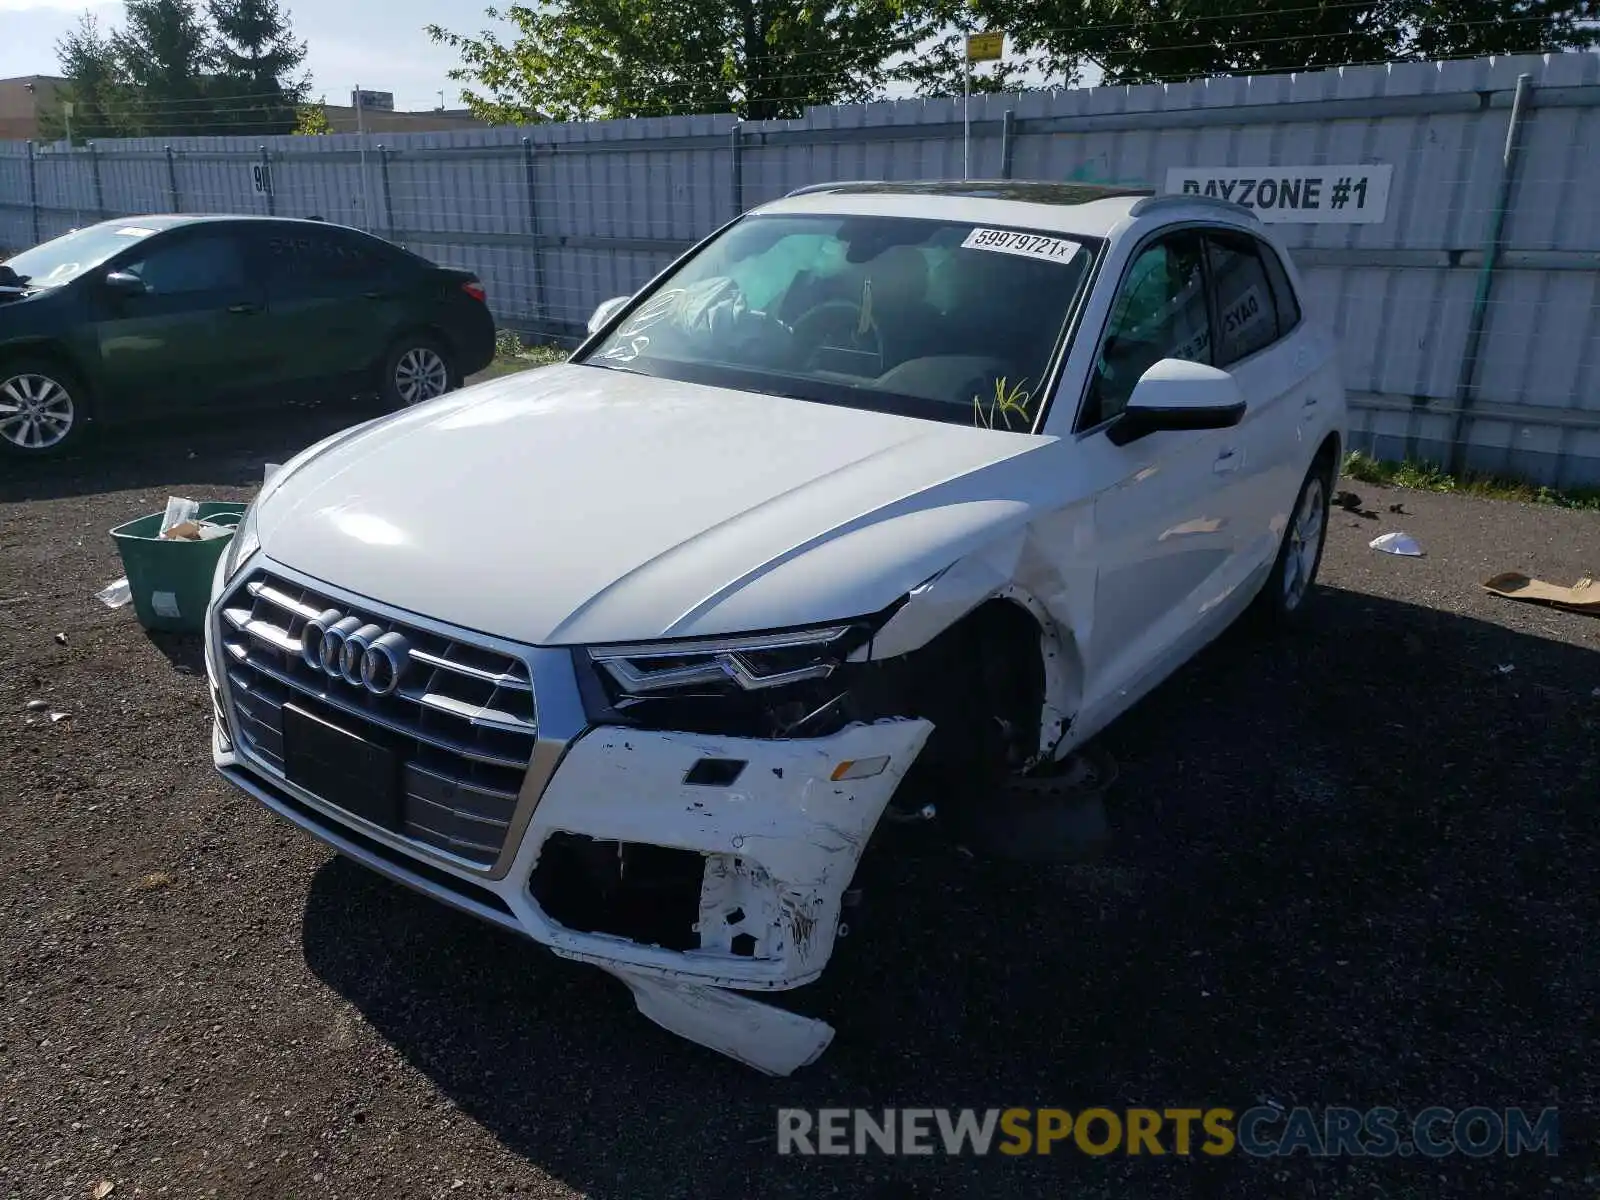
(944, 320)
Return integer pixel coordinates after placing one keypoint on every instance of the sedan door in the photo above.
(1168, 521)
(337, 301)
(190, 337)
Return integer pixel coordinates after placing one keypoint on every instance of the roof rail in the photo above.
(1179, 199)
(830, 186)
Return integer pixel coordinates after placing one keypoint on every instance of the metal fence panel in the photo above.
(1499, 370)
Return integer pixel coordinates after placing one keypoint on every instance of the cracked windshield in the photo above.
(947, 321)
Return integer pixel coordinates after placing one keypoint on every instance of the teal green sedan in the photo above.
(146, 317)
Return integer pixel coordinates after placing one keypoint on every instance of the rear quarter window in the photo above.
(295, 255)
(1284, 299)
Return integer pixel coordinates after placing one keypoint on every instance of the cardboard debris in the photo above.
(1583, 596)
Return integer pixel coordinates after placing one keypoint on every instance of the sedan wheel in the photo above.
(37, 413)
(421, 374)
(1304, 550)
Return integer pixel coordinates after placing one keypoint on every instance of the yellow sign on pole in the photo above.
(985, 47)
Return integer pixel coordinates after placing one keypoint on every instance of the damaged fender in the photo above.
(1012, 569)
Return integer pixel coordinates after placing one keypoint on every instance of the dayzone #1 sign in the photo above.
(1335, 195)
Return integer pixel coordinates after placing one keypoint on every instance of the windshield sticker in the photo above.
(1028, 245)
(134, 231)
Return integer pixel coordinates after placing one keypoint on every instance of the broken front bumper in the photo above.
(772, 847)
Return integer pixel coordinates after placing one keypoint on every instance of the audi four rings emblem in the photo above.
(350, 649)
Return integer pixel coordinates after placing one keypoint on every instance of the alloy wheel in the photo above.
(36, 412)
(421, 375)
(1305, 543)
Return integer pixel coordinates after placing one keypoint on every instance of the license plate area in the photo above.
(341, 768)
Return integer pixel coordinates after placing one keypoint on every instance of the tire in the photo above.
(418, 368)
(43, 408)
(1283, 597)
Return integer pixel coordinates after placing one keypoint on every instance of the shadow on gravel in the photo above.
(185, 651)
(1331, 883)
(223, 450)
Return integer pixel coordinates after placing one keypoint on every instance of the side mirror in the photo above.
(606, 311)
(1178, 395)
(122, 283)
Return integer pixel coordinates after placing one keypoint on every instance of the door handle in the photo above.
(1311, 402)
(245, 309)
(380, 295)
(1228, 460)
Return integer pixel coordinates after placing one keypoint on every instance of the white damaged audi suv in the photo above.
(878, 498)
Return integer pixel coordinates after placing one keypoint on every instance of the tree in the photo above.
(1140, 41)
(256, 57)
(95, 86)
(311, 120)
(582, 59)
(1458, 28)
(164, 53)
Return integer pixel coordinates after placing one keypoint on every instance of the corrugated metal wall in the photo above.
(556, 218)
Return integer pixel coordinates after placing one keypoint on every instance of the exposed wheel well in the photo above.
(1328, 454)
(982, 683)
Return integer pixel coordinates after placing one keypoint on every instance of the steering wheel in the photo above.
(833, 325)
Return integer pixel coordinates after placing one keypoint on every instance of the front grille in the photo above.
(462, 718)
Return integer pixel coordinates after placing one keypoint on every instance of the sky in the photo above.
(378, 44)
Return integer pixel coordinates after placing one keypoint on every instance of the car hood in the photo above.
(576, 504)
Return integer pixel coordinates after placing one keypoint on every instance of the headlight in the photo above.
(243, 546)
(750, 663)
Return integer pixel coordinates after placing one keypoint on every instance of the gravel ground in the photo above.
(1355, 867)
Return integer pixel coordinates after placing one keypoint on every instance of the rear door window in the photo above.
(1247, 314)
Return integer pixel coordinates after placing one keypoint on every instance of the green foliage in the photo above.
(584, 59)
(1139, 41)
(311, 120)
(95, 89)
(162, 54)
(256, 59)
(173, 69)
(510, 348)
(1430, 477)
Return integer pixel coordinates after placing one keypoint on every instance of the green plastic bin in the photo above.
(171, 580)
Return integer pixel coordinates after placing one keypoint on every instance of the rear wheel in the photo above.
(43, 408)
(417, 369)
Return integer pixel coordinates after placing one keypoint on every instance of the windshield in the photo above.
(63, 259)
(944, 320)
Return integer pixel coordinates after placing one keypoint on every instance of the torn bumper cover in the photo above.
(680, 879)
